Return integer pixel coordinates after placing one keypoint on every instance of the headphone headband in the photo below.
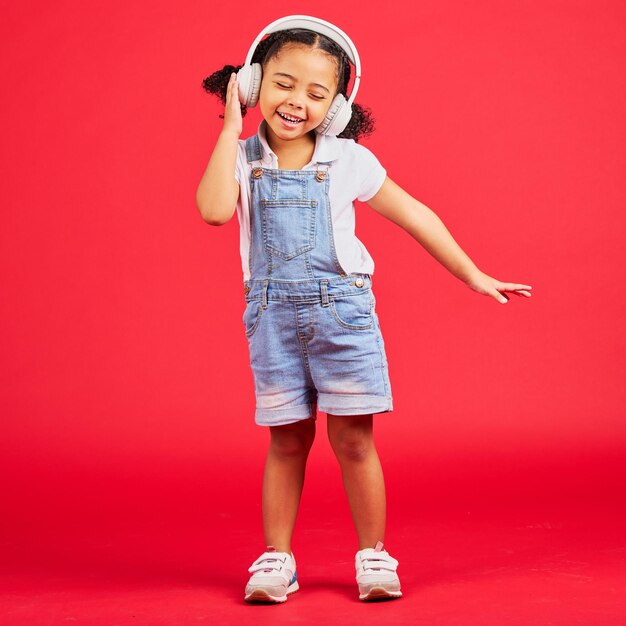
(320, 26)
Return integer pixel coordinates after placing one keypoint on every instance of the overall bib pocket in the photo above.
(251, 316)
(354, 312)
(288, 226)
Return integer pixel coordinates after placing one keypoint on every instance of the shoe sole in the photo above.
(377, 593)
(261, 595)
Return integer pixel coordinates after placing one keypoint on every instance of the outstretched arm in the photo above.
(425, 226)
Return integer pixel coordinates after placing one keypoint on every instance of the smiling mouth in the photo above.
(294, 121)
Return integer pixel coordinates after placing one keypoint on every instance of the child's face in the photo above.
(300, 82)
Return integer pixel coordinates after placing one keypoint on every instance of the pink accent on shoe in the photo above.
(379, 546)
(270, 549)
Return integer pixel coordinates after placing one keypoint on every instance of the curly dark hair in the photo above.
(361, 123)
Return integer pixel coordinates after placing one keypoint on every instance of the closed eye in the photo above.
(312, 95)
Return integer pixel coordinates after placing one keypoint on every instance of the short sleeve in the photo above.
(371, 173)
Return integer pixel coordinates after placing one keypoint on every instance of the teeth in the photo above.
(289, 119)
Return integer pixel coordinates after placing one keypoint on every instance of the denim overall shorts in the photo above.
(313, 333)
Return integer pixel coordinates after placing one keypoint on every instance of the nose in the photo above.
(295, 100)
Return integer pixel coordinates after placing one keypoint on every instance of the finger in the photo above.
(235, 92)
(512, 286)
(522, 292)
(500, 297)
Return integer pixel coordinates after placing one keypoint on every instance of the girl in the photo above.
(310, 319)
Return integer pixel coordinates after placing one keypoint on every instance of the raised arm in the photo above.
(218, 190)
(425, 226)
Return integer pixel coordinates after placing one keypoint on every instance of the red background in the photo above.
(129, 452)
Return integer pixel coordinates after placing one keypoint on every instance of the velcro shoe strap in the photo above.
(257, 567)
(385, 562)
(279, 557)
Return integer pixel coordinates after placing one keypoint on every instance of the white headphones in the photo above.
(250, 75)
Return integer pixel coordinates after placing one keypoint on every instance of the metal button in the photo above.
(320, 176)
(359, 282)
(257, 172)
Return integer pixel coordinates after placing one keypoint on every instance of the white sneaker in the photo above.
(376, 574)
(273, 577)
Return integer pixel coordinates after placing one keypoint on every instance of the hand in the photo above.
(232, 112)
(482, 283)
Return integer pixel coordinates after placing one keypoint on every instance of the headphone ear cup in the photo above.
(341, 119)
(243, 82)
(249, 81)
(337, 117)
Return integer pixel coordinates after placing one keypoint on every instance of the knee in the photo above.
(292, 440)
(351, 444)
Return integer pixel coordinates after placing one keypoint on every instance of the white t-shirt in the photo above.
(355, 174)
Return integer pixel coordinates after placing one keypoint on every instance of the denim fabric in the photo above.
(313, 332)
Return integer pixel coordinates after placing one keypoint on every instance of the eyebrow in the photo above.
(295, 79)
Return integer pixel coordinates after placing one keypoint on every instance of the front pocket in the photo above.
(288, 226)
(252, 316)
(354, 312)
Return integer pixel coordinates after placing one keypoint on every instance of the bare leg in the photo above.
(283, 480)
(352, 440)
